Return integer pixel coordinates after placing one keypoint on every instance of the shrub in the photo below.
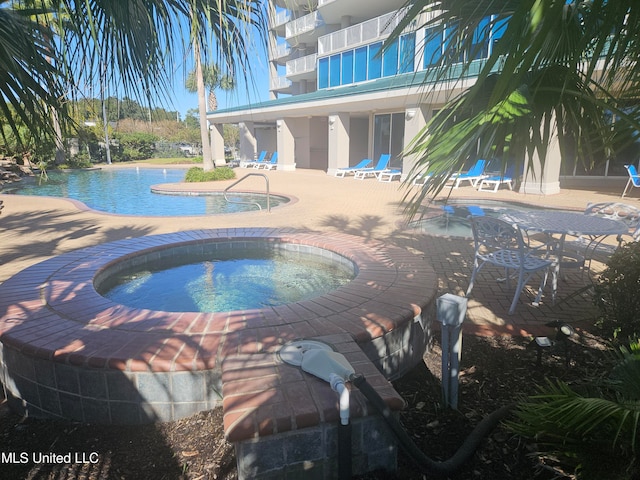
(591, 428)
(197, 174)
(616, 294)
(136, 146)
(81, 160)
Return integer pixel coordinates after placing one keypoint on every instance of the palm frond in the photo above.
(574, 63)
(30, 81)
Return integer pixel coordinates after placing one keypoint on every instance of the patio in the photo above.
(35, 229)
(374, 215)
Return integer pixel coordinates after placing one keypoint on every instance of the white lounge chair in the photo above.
(634, 178)
(341, 172)
(258, 161)
(473, 175)
(493, 182)
(271, 164)
(389, 175)
(381, 166)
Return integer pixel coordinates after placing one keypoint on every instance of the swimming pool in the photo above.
(127, 191)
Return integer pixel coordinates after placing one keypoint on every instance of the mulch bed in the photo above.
(494, 372)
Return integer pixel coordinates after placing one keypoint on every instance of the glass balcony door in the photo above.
(388, 137)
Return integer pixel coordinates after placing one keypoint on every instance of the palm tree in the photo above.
(135, 42)
(199, 79)
(229, 22)
(556, 67)
(29, 82)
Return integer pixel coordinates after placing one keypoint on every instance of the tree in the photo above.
(229, 21)
(31, 80)
(209, 77)
(212, 79)
(135, 42)
(556, 67)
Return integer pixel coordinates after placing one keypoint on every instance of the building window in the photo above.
(334, 70)
(480, 40)
(407, 53)
(445, 41)
(497, 30)
(360, 70)
(367, 63)
(451, 44)
(390, 60)
(323, 72)
(432, 47)
(347, 67)
(375, 61)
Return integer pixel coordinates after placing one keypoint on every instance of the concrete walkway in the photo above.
(36, 228)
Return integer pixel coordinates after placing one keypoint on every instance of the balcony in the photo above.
(280, 53)
(296, 4)
(302, 68)
(333, 11)
(278, 22)
(366, 32)
(304, 24)
(280, 84)
(306, 29)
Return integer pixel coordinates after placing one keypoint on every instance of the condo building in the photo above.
(337, 97)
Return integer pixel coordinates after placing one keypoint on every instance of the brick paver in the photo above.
(34, 229)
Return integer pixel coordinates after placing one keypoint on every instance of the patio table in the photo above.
(556, 225)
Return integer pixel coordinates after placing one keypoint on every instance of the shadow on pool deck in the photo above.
(36, 228)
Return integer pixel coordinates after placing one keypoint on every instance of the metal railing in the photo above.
(266, 179)
(302, 65)
(303, 24)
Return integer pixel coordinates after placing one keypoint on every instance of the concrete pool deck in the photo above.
(35, 229)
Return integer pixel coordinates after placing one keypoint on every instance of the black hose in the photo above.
(426, 464)
(344, 452)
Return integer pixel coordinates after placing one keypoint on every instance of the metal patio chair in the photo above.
(502, 244)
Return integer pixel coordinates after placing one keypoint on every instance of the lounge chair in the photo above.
(634, 178)
(381, 166)
(422, 179)
(493, 182)
(473, 175)
(389, 175)
(341, 172)
(502, 244)
(268, 165)
(258, 161)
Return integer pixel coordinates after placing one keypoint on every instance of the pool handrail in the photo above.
(266, 179)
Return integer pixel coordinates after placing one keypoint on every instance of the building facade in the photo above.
(336, 97)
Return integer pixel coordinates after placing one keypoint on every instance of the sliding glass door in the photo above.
(388, 137)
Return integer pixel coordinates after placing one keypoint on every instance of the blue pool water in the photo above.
(224, 282)
(127, 191)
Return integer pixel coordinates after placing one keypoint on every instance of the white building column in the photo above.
(415, 119)
(338, 151)
(544, 181)
(217, 144)
(286, 144)
(248, 142)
